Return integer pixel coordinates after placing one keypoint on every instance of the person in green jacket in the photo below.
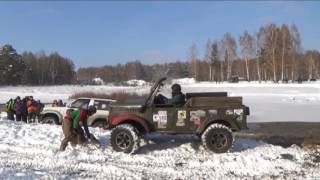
(10, 109)
(71, 127)
(178, 98)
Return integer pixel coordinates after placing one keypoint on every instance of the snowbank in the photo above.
(184, 81)
(136, 82)
(30, 151)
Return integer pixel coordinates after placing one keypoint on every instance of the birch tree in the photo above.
(215, 61)
(247, 50)
(230, 53)
(285, 37)
(295, 49)
(193, 58)
(208, 58)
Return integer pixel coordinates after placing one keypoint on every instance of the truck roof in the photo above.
(99, 99)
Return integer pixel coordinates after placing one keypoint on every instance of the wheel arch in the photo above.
(230, 125)
(136, 124)
(137, 121)
(97, 120)
(55, 115)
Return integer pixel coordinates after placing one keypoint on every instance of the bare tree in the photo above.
(295, 48)
(285, 46)
(208, 58)
(247, 49)
(271, 36)
(230, 53)
(193, 58)
(214, 63)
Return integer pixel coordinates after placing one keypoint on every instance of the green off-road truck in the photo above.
(211, 116)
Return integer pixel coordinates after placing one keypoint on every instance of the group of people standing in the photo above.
(74, 126)
(57, 103)
(26, 109)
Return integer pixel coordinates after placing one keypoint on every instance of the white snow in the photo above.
(30, 151)
(136, 82)
(267, 101)
(98, 81)
(50, 93)
(184, 81)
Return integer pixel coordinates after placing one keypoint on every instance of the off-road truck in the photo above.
(211, 116)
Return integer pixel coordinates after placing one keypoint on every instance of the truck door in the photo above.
(171, 119)
(163, 117)
(181, 122)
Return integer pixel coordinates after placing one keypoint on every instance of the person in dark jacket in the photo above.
(178, 98)
(61, 104)
(10, 109)
(40, 107)
(19, 109)
(24, 114)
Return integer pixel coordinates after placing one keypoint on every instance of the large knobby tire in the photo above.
(217, 138)
(124, 138)
(50, 119)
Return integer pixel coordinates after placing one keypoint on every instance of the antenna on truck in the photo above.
(167, 72)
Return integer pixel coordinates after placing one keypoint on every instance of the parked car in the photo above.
(55, 115)
(211, 116)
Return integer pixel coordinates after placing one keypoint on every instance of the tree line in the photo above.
(34, 69)
(132, 70)
(273, 53)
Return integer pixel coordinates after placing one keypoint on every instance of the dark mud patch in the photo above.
(284, 134)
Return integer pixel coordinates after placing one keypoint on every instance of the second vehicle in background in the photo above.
(54, 115)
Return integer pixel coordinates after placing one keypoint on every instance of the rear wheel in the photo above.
(217, 138)
(124, 138)
(50, 119)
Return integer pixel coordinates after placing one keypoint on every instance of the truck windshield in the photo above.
(101, 105)
(80, 103)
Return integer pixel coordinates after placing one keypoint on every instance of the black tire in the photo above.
(217, 138)
(50, 119)
(99, 123)
(124, 138)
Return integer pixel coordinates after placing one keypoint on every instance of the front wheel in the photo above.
(124, 138)
(217, 138)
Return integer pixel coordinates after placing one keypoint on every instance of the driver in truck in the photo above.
(72, 130)
(178, 98)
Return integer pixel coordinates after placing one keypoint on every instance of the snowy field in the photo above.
(30, 151)
(268, 102)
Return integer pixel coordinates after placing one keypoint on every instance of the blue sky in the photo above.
(101, 33)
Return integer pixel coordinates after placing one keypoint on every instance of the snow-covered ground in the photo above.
(267, 101)
(30, 151)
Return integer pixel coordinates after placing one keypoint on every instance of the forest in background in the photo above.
(274, 53)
